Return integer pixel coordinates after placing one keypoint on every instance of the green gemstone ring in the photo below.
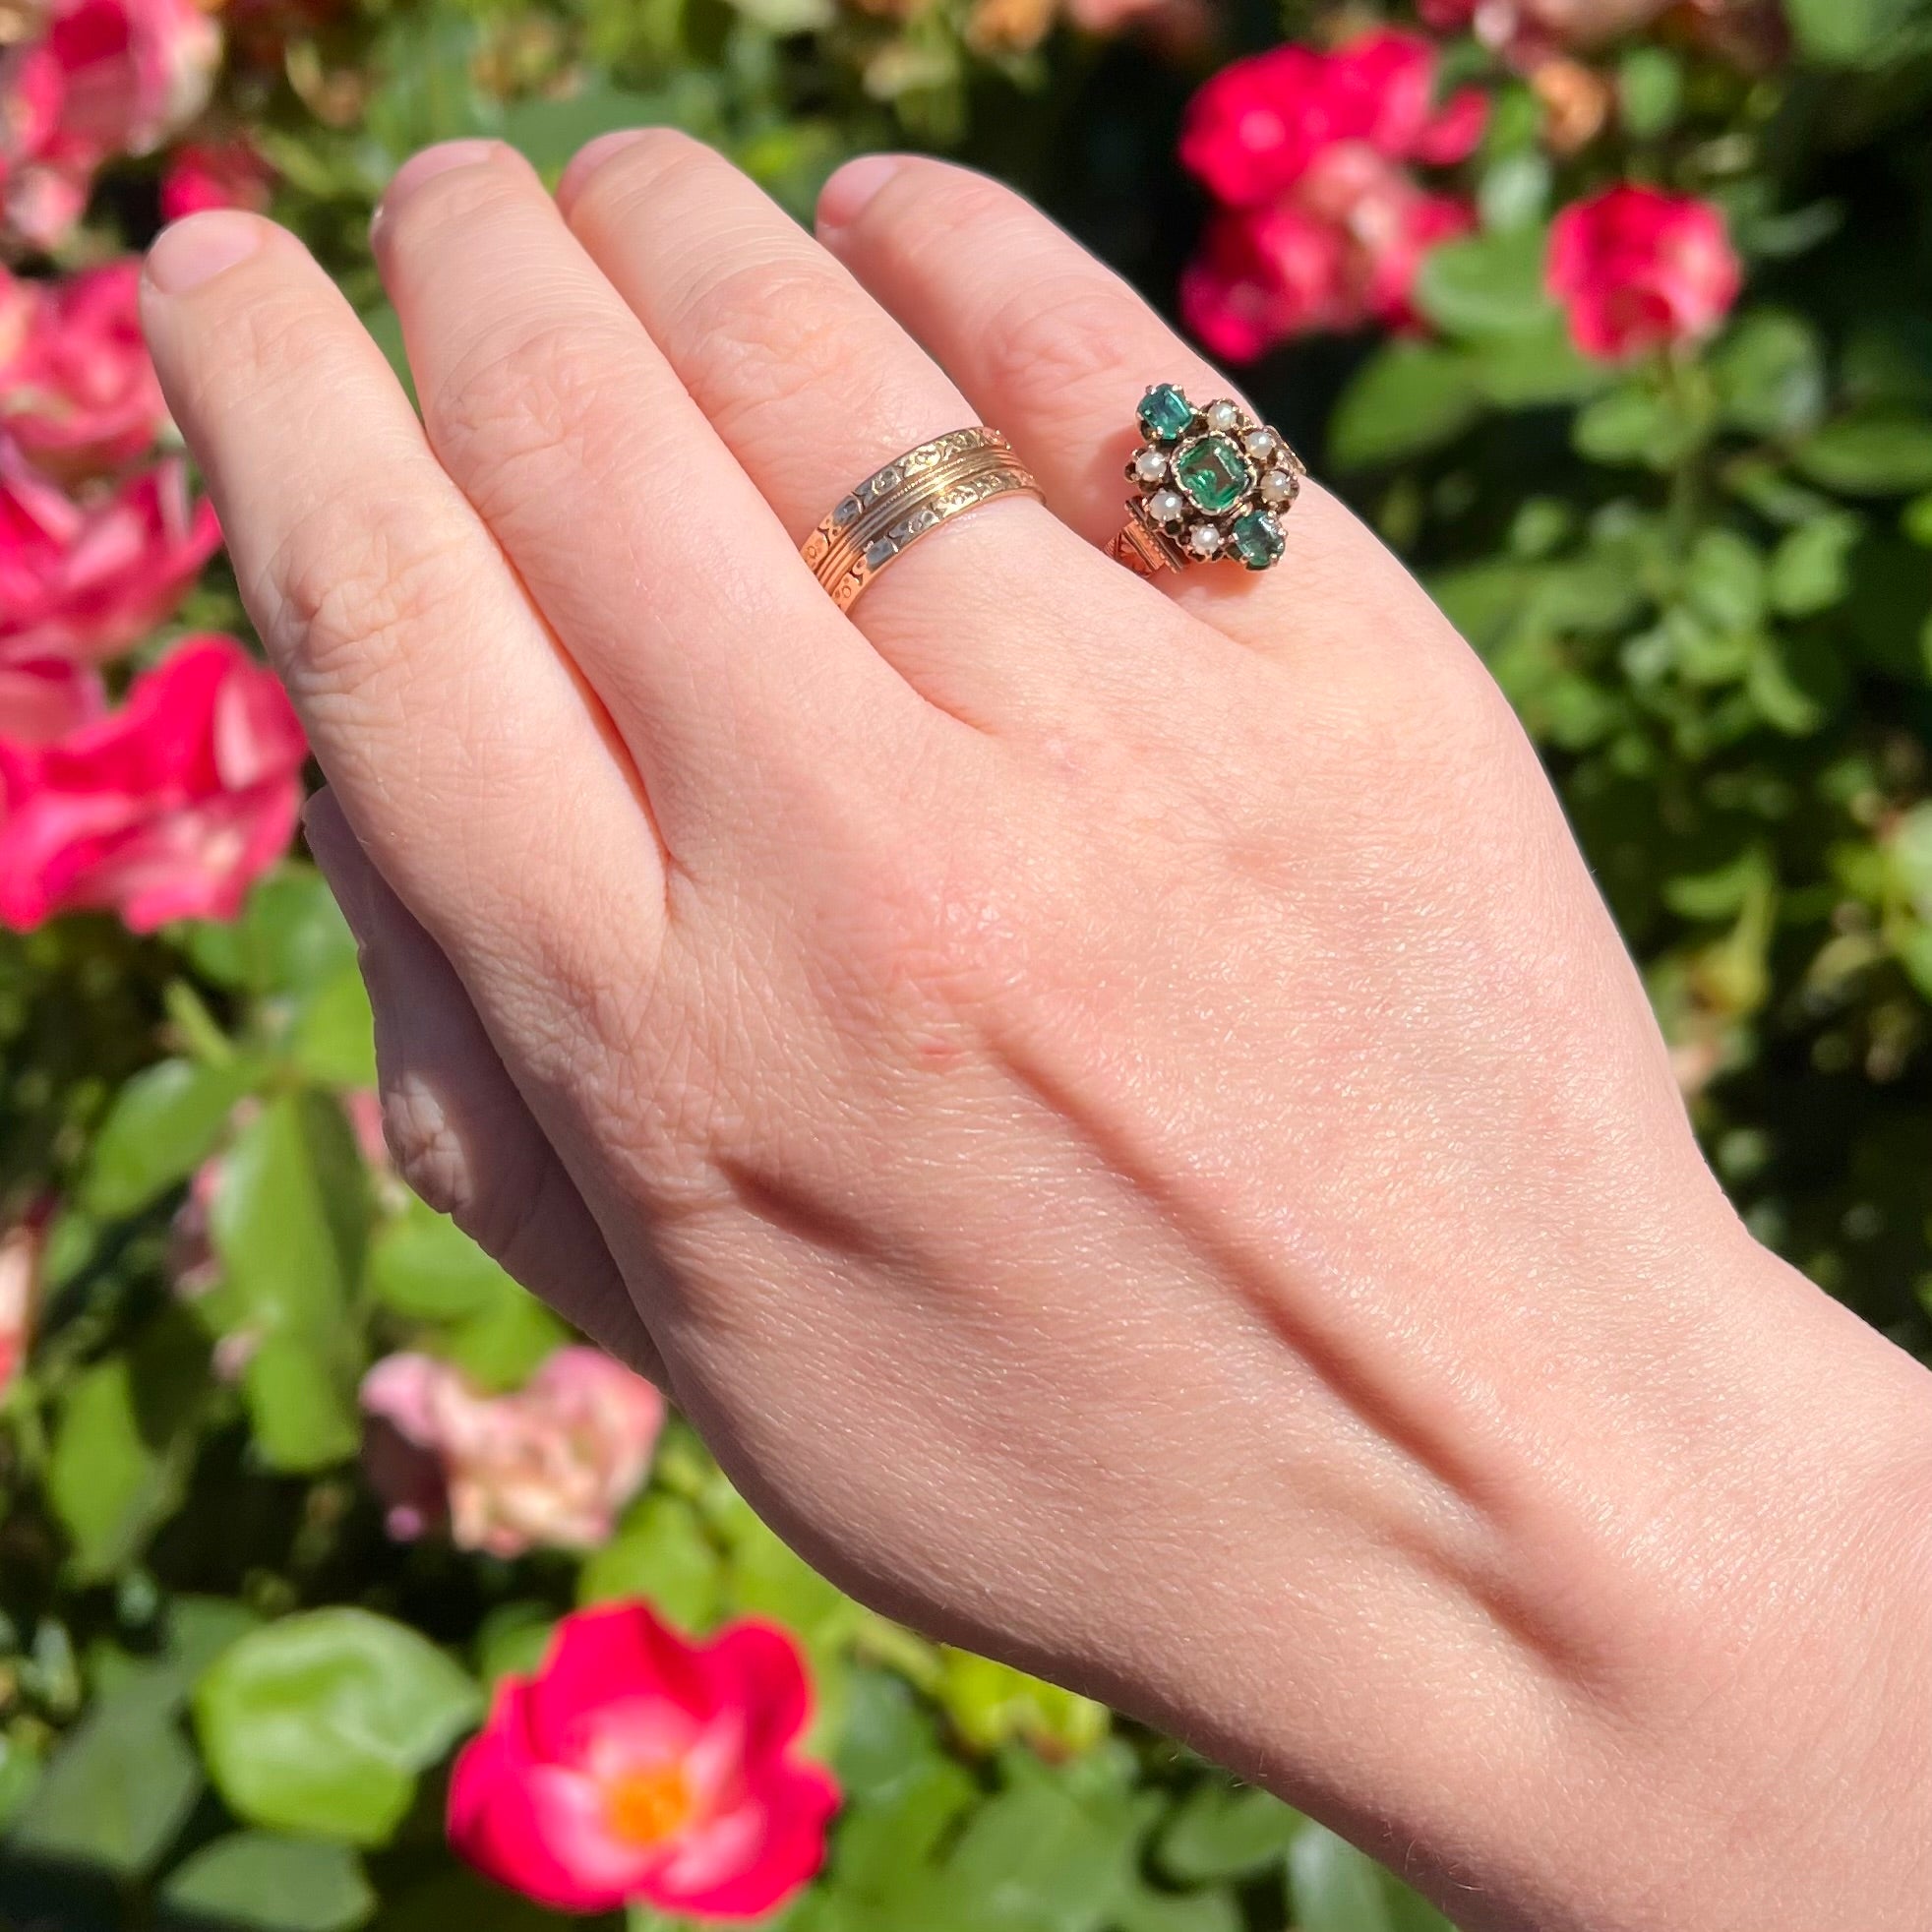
(1208, 482)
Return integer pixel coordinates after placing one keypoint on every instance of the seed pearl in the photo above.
(1264, 445)
(1277, 487)
(1149, 466)
(1165, 507)
(1223, 415)
(1203, 539)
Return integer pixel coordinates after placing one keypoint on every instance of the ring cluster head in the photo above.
(1212, 482)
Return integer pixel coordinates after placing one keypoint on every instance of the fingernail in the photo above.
(845, 197)
(589, 158)
(200, 246)
(431, 162)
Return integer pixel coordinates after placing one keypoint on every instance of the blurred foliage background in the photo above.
(1701, 567)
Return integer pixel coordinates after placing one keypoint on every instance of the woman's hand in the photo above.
(1121, 1115)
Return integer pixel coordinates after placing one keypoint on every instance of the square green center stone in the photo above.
(1214, 474)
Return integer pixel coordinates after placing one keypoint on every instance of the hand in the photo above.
(1121, 1115)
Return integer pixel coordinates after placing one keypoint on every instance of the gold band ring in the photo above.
(1208, 482)
(901, 502)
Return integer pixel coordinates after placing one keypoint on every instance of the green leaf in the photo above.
(296, 1401)
(550, 129)
(332, 1037)
(291, 936)
(1535, 368)
(992, 1704)
(1649, 87)
(290, 1222)
(1336, 1888)
(1638, 423)
(320, 1723)
(1407, 398)
(121, 1784)
(662, 1553)
(423, 1266)
(1809, 568)
(279, 1883)
(123, 1442)
(1223, 1831)
(1724, 580)
(1770, 374)
(1489, 284)
(163, 1123)
(1146, 1910)
(1850, 33)
(1874, 453)
(501, 1346)
(1036, 1860)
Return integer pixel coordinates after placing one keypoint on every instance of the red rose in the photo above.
(47, 699)
(1339, 250)
(78, 393)
(1638, 269)
(106, 78)
(168, 808)
(1257, 126)
(636, 1765)
(205, 174)
(82, 577)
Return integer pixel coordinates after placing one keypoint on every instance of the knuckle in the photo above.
(516, 417)
(769, 335)
(1055, 343)
(350, 585)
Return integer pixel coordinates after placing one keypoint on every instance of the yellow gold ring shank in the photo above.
(904, 500)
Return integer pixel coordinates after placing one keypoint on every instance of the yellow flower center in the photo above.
(646, 1807)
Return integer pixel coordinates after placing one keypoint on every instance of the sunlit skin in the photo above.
(1117, 1108)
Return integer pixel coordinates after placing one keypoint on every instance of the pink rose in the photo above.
(1254, 129)
(205, 174)
(105, 78)
(168, 808)
(85, 577)
(1639, 269)
(47, 699)
(1342, 248)
(78, 393)
(636, 1765)
(550, 1465)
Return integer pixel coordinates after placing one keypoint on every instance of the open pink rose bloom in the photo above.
(549, 1464)
(639, 1765)
(167, 809)
(1639, 269)
(1323, 223)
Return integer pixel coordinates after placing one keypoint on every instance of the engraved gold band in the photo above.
(883, 516)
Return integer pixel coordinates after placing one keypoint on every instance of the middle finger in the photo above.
(1000, 617)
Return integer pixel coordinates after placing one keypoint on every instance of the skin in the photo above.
(1117, 1108)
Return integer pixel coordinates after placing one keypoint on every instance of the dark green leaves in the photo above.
(1407, 398)
(163, 1123)
(278, 1884)
(289, 1226)
(1873, 453)
(320, 1724)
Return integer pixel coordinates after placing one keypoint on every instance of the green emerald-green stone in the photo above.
(1258, 540)
(1213, 473)
(1165, 412)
